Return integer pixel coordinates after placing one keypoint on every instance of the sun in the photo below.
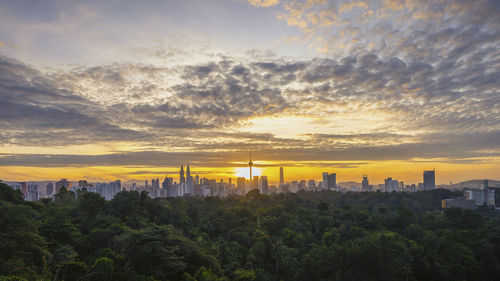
(245, 172)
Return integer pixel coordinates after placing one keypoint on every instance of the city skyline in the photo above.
(104, 91)
(189, 185)
(178, 175)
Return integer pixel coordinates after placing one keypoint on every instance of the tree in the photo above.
(154, 251)
(10, 195)
(22, 249)
(91, 204)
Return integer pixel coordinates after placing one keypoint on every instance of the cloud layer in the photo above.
(393, 80)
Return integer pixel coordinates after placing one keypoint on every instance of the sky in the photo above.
(130, 90)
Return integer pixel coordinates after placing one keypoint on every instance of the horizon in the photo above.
(244, 172)
(126, 91)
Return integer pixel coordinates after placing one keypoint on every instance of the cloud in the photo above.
(412, 30)
(263, 3)
(419, 100)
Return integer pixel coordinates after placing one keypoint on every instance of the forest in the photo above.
(294, 236)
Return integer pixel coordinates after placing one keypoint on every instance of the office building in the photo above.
(264, 185)
(32, 194)
(364, 184)
(429, 180)
(182, 179)
(294, 186)
(63, 183)
(458, 203)
(483, 196)
(107, 190)
(325, 181)
(49, 189)
(82, 184)
(282, 176)
(302, 185)
(332, 181)
(391, 185)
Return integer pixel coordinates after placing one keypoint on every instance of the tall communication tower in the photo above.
(250, 164)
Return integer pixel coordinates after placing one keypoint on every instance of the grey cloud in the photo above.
(448, 92)
(35, 110)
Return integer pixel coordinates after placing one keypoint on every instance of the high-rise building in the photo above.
(182, 179)
(108, 190)
(241, 185)
(325, 180)
(483, 196)
(189, 182)
(167, 185)
(391, 185)
(154, 191)
(332, 181)
(302, 185)
(82, 184)
(49, 189)
(294, 186)
(282, 176)
(255, 182)
(364, 184)
(20, 186)
(429, 180)
(311, 185)
(61, 183)
(32, 194)
(264, 186)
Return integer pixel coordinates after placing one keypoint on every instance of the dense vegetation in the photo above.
(304, 236)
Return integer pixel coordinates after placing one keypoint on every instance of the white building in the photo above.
(107, 190)
(391, 185)
(32, 194)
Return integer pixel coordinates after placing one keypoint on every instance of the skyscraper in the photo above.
(241, 185)
(189, 182)
(182, 179)
(332, 181)
(49, 189)
(282, 177)
(32, 194)
(325, 180)
(61, 183)
(264, 186)
(391, 185)
(429, 180)
(364, 183)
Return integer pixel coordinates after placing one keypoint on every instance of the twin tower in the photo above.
(188, 174)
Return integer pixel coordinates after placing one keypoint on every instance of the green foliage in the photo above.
(12, 278)
(9, 195)
(304, 236)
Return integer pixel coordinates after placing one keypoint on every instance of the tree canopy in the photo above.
(304, 236)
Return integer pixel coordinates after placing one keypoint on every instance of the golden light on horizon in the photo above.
(245, 172)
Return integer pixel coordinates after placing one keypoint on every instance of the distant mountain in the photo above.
(350, 184)
(476, 184)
